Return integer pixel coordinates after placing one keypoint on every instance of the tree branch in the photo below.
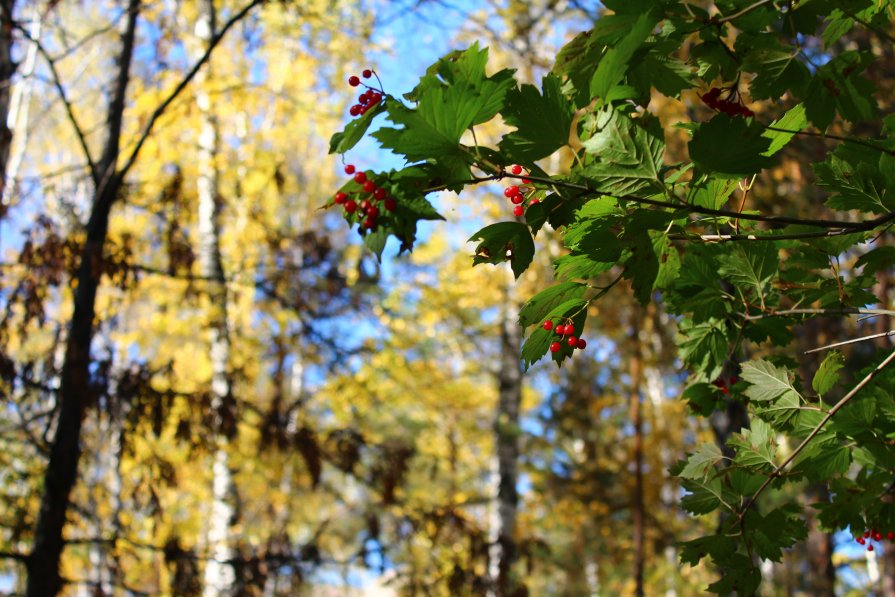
(817, 429)
(160, 110)
(63, 96)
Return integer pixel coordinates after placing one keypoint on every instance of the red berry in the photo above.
(572, 341)
(372, 211)
(877, 536)
(533, 202)
(516, 169)
(365, 205)
(870, 548)
(548, 325)
(360, 178)
(581, 344)
(375, 98)
(369, 186)
(866, 533)
(570, 329)
(370, 222)
(353, 81)
(355, 110)
(391, 204)
(351, 206)
(367, 73)
(379, 194)
(349, 169)
(525, 181)
(890, 535)
(510, 191)
(518, 211)
(861, 540)
(341, 197)
(561, 330)
(517, 199)
(555, 346)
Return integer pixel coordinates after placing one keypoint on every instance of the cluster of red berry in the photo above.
(368, 98)
(517, 195)
(368, 199)
(712, 99)
(873, 535)
(567, 333)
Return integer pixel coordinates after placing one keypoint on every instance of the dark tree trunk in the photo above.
(74, 391)
(507, 431)
(636, 413)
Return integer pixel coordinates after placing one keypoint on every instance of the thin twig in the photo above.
(852, 341)
(837, 311)
(160, 110)
(63, 96)
(833, 137)
(736, 15)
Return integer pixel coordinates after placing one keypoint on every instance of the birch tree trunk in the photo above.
(74, 391)
(219, 573)
(7, 70)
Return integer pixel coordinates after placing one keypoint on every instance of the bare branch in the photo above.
(852, 341)
(63, 96)
(160, 110)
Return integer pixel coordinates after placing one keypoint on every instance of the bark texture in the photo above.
(74, 392)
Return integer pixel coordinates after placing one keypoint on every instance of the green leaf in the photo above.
(821, 461)
(712, 193)
(766, 381)
(503, 241)
(615, 62)
(431, 131)
(876, 259)
(538, 343)
(580, 266)
(740, 577)
(755, 447)
(540, 305)
(701, 464)
(542, 123)
(776, 66)
(828, 373)
(703, 497)
(354, 130)
(750, 266)
(778, 529)
(703, 347)
(860, 178)
(719, 547)
(794, 120)
(730, 147)
(627, 156)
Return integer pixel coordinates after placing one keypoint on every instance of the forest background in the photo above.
(261, 407)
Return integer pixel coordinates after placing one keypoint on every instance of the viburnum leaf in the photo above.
(616, 61)
(540, 305)
(828, 373)
(756, 446)
(701, 464)
(766, 381)
(731, 147)
(542, 122)
(354, 131)
(505, 241)
(794, 120)
(627, 156)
